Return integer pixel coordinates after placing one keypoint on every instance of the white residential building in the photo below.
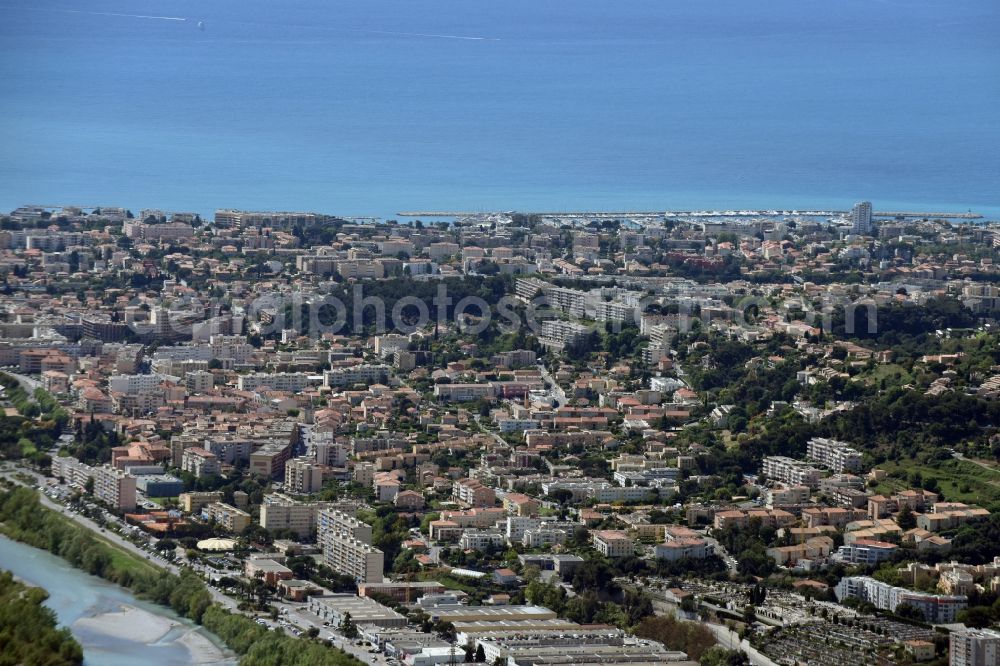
(303, 476)
(349, 556)
(290, 382)
(558, 333)
(332, 521)
(600, 490)
(280, 512)
(356, 374)
(612, 543)
(838, 456)
(861, 218)
(200, 462)
(937, 608)
(113, 486)
(198, 381)
(516, 526)
(132, 384)
(481, 540)
(975, 647)
(791, 472)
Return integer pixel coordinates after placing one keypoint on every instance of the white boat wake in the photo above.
(139, 16)
(90, 13)
(431, 35)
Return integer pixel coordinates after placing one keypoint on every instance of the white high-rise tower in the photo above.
(861, 218)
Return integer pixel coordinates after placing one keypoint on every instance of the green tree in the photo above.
(348, 627)
(906, 520)
(910, 612)
(978, 617)
(720, 656)
(28, 632)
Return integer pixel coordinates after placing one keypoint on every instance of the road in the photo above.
(117, 540)
(27, 383)
(296, 613)
(479, 422)
(720, 550)
(958, 456)
(553, 386)
(299, 616)
(724, 636)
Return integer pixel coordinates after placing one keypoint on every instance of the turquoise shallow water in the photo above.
(374, 107)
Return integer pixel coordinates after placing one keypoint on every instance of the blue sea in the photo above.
(372, 107)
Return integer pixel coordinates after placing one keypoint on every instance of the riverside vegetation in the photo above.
(28, 632)
(25, 519)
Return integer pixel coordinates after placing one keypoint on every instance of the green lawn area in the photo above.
(127, 561)
(121, 558)
(959, 480)
(889, 371)
(450, 582)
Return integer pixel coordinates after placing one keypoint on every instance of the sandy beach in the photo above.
(202, 650)
(138, 625)
(131, 624)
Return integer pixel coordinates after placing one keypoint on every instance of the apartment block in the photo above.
(773, 518)
(481, 540)
(975, 647)
(880, 506)
(356, 374)
(788, 495)
(269, 460)
(838, 456)
(463, 392)
(612, 543)
(354, 558)
(947, 515)
(601, 491)
(519, 358)
(472, 493)
(682, 548)
(194, 502)
(303, 476)
(558, 334)
(516, 526)
(280, 512)
(198, 381)
(791, 472)
(228, 516)
(548, 534)
(291, 382)
(200, 462)
(866, 552)
(811, 549)
(937, 608)
(112, 486)
(332, 521)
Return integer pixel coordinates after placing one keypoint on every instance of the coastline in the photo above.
(532, 205)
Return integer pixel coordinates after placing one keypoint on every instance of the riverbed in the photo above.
(113, 626)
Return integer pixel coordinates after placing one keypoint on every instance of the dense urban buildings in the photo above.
(536, 437)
